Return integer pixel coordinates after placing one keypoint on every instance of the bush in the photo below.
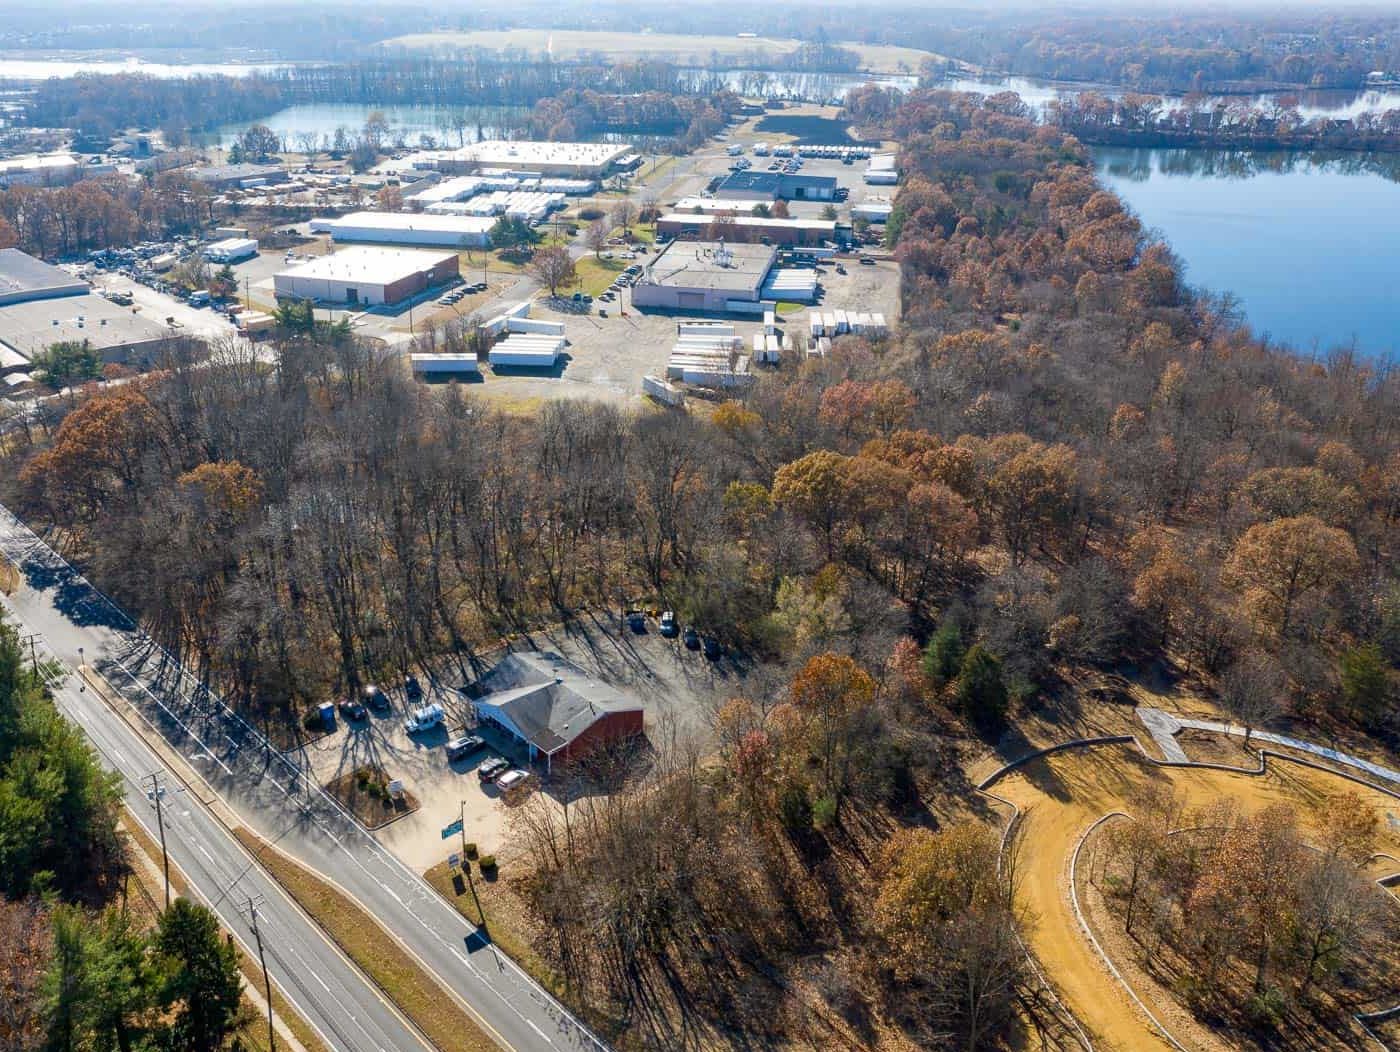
(981, 693)
(470, 850)
(589, 214)
(943, 656)
(1266, 1011)
(824, 812)
(795, 810)
(488, 862)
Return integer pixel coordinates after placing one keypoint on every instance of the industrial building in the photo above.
(553, 708)
(705, 276)
(24, 278)
(767, 229)
(239, 176)
(231, 250)
(40, 169)
(772, 186)
(119, 334)
(578, 160)
(402, 228)
(872, 211)
(367, 275)
(735, 205)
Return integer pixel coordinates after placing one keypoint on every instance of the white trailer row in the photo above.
(841, 322)
(768, 348)
(714, 368)
(839, 153)
(497, 325)
(704, 328)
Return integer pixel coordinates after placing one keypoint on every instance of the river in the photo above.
(1306, 242)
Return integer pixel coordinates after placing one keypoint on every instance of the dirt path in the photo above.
(1063, 794)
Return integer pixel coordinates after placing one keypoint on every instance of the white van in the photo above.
(426, 718)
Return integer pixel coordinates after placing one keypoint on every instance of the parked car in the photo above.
(512, 779)
(669, 628)
(637, 621)
(691, 639)
(426, 718)
(714, 649)
(411, 688)
(840, 269)
(376, 699)
(492, 769)
(459, 748)
(353, 710)
(867, 261)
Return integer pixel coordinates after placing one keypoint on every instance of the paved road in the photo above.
(270, 793)
(331, 994)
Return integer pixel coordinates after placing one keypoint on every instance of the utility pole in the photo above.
(262, 960)
(157, 791)
(467, 865)
(33, 655)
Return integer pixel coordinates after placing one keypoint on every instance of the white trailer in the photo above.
(770, 321)
(539, 326)
(445, 364)
(663, 391)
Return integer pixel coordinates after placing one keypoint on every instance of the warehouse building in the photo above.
(24, 278)
(40, 169)
(576, 160)
(772, 186)
(365, 275)
(552, 708)
(766, 229)
(119, 334)
(705, 276)
(402, 228)
(237, 176)
(736, 206)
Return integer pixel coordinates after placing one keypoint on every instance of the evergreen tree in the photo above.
(202, 985)
(943, 657)
(981, 693)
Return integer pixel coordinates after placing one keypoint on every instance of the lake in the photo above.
(322, 119)
(46, 68)
(1305, 242)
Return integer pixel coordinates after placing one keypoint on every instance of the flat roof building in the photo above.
(24, 278)
(704, 276)
(553, 708)
(228, 176)
(750, 228)
(576, 159)
(40, 169)
(404, 228)
(773, 185)
(367, 275)
(119, 334)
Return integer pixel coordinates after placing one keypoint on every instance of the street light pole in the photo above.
(156, 792)
(267, 982)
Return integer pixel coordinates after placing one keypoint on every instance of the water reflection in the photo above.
(1139, 165)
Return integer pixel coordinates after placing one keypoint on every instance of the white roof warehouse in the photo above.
(367, 274)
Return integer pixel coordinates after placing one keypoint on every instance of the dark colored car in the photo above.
(714, 649)
(411, 688)
(492, 769)
(459, 748)
(376, 699)
(669, 628)
(637, 621)
(691, 639)
(353, 710)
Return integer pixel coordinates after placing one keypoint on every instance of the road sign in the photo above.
(452, 830)
(454, 861)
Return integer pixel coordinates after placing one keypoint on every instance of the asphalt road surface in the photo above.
(271, 793)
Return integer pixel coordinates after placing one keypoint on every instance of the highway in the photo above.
(269, 793)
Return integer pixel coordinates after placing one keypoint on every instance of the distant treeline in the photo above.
(1147, 120)
(101, 105)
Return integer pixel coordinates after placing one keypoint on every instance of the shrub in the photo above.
(824, 812)
(981, 693)
(944, 654)
(312, 721)
(470, 850)
(590, 213)
(795, 810)
(488, 862)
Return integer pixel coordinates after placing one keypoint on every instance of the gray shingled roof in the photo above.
(551, 700)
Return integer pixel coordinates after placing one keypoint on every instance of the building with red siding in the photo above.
(553, 708)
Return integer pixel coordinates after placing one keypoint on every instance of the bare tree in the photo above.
(553, 267)
(1253, 691)
(596, 236)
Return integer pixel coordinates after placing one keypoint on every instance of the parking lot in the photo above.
(678, 689)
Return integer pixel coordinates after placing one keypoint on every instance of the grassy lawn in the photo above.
(596, 274)
(398, 975)
(785, 307)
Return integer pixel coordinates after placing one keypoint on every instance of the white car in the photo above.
(511, 779)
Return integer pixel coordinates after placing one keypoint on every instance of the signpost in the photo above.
(449, 831)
